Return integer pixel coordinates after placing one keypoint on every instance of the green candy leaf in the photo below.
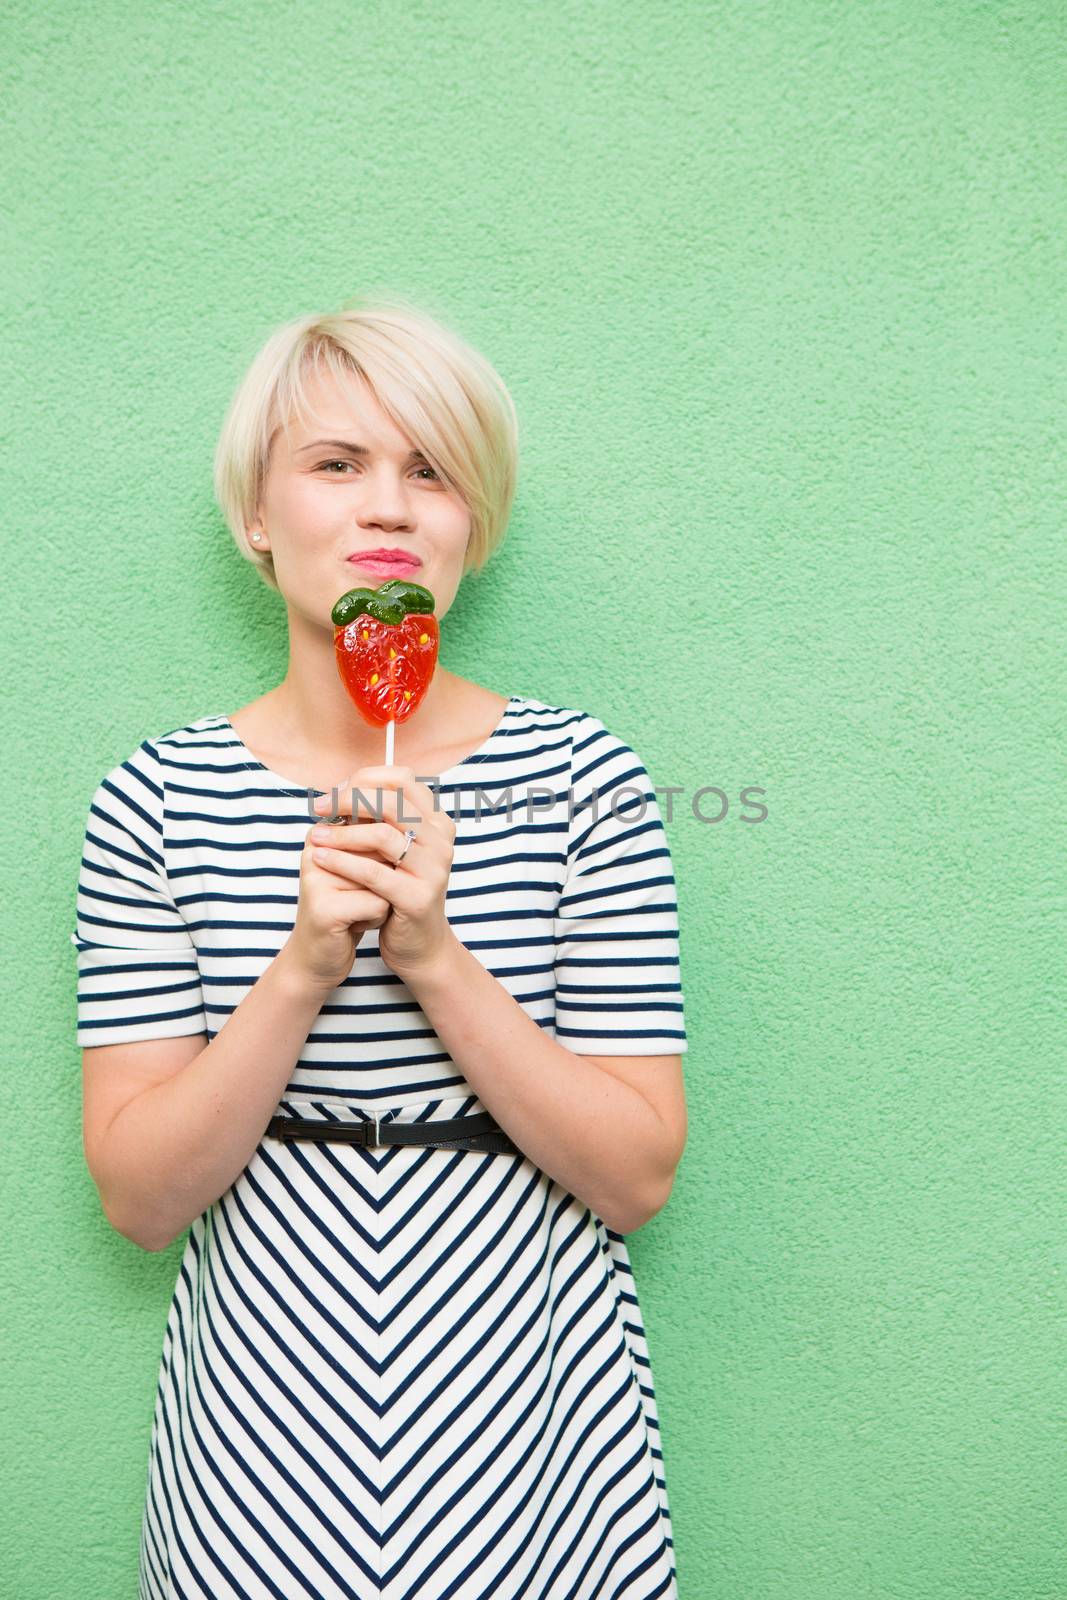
(391, 602)
(350, 605)
(384, 611)
(412, 596)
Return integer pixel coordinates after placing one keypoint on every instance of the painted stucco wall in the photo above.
(778, 290)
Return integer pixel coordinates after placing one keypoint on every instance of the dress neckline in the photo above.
(253, 762)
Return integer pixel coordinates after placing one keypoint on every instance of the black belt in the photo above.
(478, 1132)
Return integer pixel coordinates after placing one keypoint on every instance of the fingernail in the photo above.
(321, 834)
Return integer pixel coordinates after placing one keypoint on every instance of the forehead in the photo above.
(346, 409)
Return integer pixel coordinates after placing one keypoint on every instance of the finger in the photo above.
(360, 904)
(402, 890)
(396, 795)
(421, 797)
(383, 793)
(370, 836)
(366, 836)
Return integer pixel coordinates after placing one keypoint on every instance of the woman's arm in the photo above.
(597, 1136)
(171, 1150)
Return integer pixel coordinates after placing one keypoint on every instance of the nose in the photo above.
(384, 502)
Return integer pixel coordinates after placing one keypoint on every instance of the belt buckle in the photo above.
(368, 1122)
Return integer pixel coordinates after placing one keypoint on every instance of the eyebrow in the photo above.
(350, 448)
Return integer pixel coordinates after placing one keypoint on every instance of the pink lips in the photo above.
(386, 563)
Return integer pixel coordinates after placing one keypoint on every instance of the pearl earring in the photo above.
(257, 537)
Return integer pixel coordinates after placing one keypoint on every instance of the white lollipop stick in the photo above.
(389, 743)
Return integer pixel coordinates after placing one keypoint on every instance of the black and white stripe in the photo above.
(396, 1372)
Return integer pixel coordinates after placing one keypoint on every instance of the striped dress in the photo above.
(399, 1373)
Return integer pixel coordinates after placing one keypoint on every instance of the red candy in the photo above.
(385, 643)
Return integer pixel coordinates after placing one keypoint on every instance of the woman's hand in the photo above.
(416, 930)
(331, 918)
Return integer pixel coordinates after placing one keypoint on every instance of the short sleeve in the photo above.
(137, 972)
(618, 974)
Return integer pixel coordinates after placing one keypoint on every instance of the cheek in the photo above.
(307, 507)
(448, 532)
(459, 526)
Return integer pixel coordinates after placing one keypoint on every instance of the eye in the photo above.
(324, 465)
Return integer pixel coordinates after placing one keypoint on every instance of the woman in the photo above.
(392, 1367)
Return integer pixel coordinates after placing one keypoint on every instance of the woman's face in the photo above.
(347, 483)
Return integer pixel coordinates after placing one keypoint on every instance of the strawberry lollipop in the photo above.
(385, 643)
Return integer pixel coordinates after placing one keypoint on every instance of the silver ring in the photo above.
(408, 836)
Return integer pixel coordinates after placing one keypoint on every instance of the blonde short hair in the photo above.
(442, 394)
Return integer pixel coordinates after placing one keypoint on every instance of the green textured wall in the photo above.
(778, 290)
